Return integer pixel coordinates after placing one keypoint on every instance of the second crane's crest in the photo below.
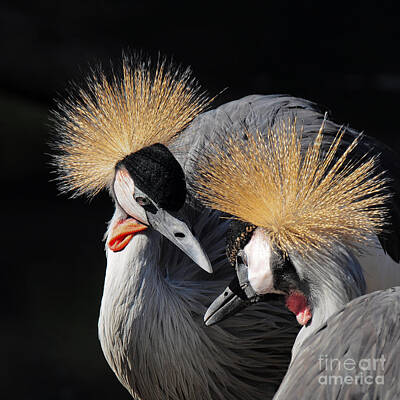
(303, 199)
(99, 126)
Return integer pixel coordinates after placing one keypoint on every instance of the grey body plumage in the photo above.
(353, 355)
(152, 332)
(339, 354)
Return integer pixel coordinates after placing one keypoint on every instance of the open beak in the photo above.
(178, 233)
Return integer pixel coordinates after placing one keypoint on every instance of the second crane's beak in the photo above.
(178, 233)
(253, 280)
(237, 296)
(230, 302)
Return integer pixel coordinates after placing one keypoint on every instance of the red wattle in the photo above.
(122, 233)
(296, 302)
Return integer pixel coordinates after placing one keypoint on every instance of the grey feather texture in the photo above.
(334, 279)
(152, 332)
(365, 333)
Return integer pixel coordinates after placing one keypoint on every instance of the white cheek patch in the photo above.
(124, 188)
(258, 252)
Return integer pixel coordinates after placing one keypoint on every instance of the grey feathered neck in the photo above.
(334, 278)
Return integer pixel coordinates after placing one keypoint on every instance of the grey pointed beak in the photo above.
(237, 296)
(230, 302)
(178, 233)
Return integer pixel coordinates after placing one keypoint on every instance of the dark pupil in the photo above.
(142, 201)
(146, 204)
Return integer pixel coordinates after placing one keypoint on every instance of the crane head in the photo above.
(309, 283)
(262, 273)
(300, 211)
(113, 134)
(149, 186)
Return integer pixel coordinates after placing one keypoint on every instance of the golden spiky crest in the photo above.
(97, 127)
(304, 201)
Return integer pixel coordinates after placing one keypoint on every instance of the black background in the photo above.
(53, 262)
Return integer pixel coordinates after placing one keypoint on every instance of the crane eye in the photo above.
(146, 204)
(142, 201)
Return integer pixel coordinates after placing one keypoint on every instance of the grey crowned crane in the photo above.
(126, 134)
(305, 215)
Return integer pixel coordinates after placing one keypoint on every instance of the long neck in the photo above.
(128, 270)
(152, 331)
(124, 286)
(334, 281)
(146, 328)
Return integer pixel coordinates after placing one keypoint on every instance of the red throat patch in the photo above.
(122, 233)
(296, 302)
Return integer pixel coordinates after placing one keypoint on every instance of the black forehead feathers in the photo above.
(238, 235)
(157, 173)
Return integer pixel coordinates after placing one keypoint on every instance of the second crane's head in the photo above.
(297, 214)
(114, 134)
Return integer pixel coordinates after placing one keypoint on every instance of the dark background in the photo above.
(52, 251)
